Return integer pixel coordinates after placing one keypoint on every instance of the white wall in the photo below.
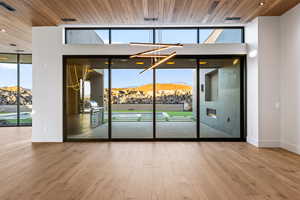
(251, 38)
(47, 52)
(290, 80)
(263, 81)
(269, 81)
(47, 85)
(274, 81)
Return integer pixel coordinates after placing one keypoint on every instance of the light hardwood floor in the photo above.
(143, 170)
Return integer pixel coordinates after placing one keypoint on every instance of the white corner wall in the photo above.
(251, 38)
(47, 85)
(47, 52)
(263, 62)
(290, 80)
(273, 81)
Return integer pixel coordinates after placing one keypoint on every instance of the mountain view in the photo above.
(166, 93)
(159, 87)
(8, 96)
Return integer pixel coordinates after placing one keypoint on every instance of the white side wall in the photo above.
(269, 81)
(47, 85)
(263, 63)
(290, 80)
(251, 38)
(47, 52)
(273, 81)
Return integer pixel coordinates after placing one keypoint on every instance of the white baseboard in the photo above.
(290, 147)
(252, 141)
(264, 143)
(269, 144)
(46, 140)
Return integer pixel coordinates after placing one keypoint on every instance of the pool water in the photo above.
(23, 115)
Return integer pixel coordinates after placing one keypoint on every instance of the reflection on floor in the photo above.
(81, 129)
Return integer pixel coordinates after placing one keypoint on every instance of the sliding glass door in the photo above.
(220, 98)
(131, 99)
(184, 98)
(8, 90)
(86, 98)
(176, 99)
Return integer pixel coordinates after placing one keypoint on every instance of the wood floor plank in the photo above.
(144, 170)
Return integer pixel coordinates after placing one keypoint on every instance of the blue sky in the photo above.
(133, 78)
(165, 36)
(8, 75)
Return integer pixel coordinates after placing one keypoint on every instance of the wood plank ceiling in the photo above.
(125, 12)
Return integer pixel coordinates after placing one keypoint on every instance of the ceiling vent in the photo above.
(232, 18)
(213, 7)
(68, 20)
(150, 19)
(7, 7)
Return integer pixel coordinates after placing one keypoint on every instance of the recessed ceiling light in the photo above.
(68, 19)
(236, 61)
(171, 63)
(202, 62)
(261, 3)
(2, 30)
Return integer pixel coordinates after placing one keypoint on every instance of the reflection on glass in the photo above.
(125, 36)
(220, 98)
(176, 99)
(8, 90)
(132, 95)
(25, 90)
(87, 36)
(86, 98)
(210, 36)
(184, 36)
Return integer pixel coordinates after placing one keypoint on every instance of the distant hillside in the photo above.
(8, 96)
(159, 86)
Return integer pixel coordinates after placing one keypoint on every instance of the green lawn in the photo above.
(22, 121)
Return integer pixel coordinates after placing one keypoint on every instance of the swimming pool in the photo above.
(23, 115)
(136, 116)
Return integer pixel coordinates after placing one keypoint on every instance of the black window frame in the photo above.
(198, 28)
(18, 63)
(243, 98)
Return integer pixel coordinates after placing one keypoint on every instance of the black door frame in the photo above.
(243, 97)
(18, 81)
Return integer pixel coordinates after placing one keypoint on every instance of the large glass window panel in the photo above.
(210, 36)
(25, 90)
(86, 98)
(220, 92)
(87, 36)
(184, 36)
(125, 36)
(131, 98)
(176, 89)
(8, 90)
